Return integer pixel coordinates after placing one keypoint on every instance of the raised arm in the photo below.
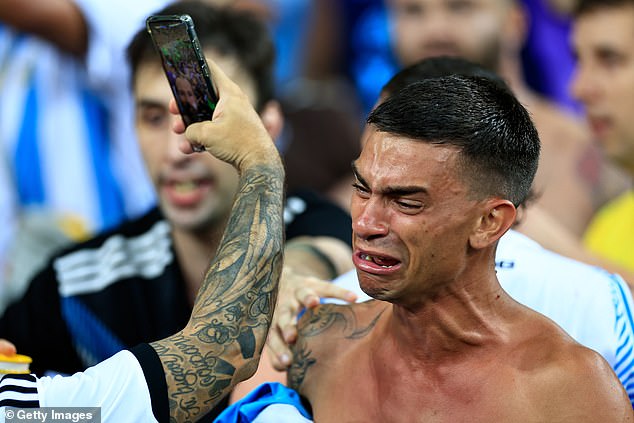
(222, 342)
(58, 21)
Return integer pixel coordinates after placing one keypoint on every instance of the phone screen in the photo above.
(184, 65)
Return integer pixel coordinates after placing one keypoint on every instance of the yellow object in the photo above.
(611, 232)
(15, 364)
(74, 227)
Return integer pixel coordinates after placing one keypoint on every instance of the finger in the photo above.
(323, 289)
(289, 332)
(285, 321)
(221, 80)
(173, 107)
(7, 348)
(185, 146)
(280, 356)
(285, 315)
(307, 297)
(178, 125)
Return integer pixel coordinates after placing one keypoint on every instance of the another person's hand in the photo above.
(7, 348)
(296, 292)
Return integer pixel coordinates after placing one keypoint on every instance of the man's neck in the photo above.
(194, 252)
(453, 322)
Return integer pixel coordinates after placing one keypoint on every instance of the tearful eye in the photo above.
(360, 189)
(408, 205)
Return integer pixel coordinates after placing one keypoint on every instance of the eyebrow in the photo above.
(149, 103)
(395, 191)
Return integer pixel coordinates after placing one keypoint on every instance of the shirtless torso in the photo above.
(351, 367)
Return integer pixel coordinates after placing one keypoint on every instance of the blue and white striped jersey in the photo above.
(67, 142)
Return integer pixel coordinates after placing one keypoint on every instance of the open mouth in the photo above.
(599, 125)
(384, 262)
(186, 193)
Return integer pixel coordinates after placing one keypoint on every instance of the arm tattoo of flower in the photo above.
(222, 342)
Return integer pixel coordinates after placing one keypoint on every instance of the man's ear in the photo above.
(272, 118)
(497, 218)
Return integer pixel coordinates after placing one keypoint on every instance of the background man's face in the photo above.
(473, 29)
(604, 81)
(195, 191)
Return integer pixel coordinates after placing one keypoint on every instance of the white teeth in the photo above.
(184, 186)
(369, 258)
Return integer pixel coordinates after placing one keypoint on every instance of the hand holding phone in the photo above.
(185, 66)
(237, 134)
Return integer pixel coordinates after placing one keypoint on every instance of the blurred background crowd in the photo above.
(70, 168)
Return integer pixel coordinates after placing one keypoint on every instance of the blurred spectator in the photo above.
(320, 104)
(604, 83)
(66, 135)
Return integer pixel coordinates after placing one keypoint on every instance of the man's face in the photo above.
(186, 92)
(195, 191)
(411, 217)
(604, 80)
(472, 29)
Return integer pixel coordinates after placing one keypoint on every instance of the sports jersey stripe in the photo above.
(19, 391)
(27, 163)
(93, 341)
(627, 309)
(92, 270)
(624, 327)
(108, 192)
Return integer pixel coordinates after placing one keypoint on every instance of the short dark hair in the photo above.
(589, 6)
(435, 67)
(234, 33)
(498, 143)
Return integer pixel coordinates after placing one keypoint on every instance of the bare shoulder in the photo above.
(575, 383)
(327, 331)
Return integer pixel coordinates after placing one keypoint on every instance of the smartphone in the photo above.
(185, 66)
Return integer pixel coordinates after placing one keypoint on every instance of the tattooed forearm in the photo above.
(222, 342)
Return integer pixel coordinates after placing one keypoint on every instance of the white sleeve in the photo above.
(117, 385)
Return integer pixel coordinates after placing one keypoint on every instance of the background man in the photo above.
(604, 83)
(220, 345)
(138, 282)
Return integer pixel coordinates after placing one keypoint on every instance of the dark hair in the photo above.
(435, 67)
(231, 32)
(498, 143)
(588, 6)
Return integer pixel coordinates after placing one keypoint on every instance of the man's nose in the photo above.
(584, 86)
(369, 218)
